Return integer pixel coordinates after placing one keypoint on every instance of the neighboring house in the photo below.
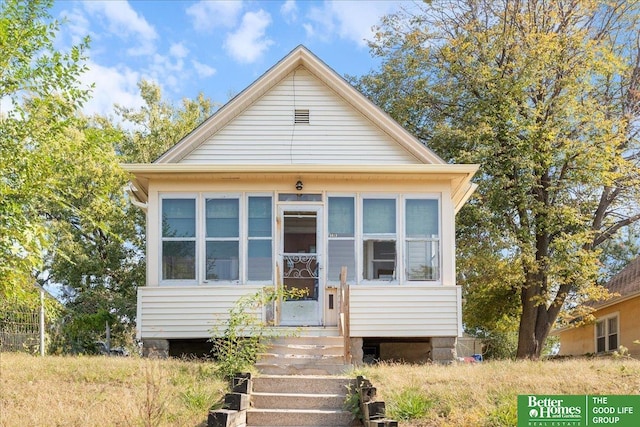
(617, 320)
(294, 178)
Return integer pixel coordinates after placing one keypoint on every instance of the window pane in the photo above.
(600, 345)
(422, 218)
(259, 216)
(222, 217)
(379, 260)
(600, 329)
(341, 252)
(379, 216)
(178, 260)
(422, 260)
(613, 342)
(178, 217)
(613, 325)
(222, 261)
(341, 217)
(260, 260)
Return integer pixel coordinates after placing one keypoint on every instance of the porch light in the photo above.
(299, 185)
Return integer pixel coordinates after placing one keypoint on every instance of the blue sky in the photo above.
(214, 47)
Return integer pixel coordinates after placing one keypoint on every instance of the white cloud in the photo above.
(77, 25)
(113, 85)
(178, 50)
(248, 42)
(203, 70)
(208, 15)
(289, 11)
(348, 20)
(125, 22)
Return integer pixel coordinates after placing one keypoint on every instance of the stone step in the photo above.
(297, 400)
(302, 384)
(298, 417)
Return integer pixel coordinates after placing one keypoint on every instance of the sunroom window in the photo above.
(341, 240)
(379, 239)
(222, 239)
(179, 239)
(422, 239)
(260, 264)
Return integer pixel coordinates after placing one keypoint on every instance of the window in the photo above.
(203, 238)
(341, 240)
(179, 239)
(260, 264)
(422, 239)
(607, 334)
(222, 239)
(379, 239)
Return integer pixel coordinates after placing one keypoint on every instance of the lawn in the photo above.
(85, 391)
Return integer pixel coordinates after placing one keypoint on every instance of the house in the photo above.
(296, 177)
(616, 320)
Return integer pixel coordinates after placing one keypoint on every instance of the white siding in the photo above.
(404, 311)
(185, 311)
(265, 132)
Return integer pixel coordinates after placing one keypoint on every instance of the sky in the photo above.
(214, 47)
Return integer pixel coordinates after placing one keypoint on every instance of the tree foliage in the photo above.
(544, 96)
(39, 94)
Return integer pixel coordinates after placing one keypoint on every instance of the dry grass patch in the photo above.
(82, 391)
(485, 394)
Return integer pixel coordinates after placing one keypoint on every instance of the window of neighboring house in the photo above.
(222, 239)
(379, 239)
(422, 257)
(607, 334)
(341, 241)
(179, 239)
(260, 265)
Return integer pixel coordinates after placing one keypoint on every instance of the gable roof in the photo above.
(300, 56)
(626, 283)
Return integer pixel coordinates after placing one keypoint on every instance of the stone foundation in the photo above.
(356, 351)
(443, 349)
(155, 349)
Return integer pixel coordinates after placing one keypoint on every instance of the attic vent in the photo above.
(301, 117)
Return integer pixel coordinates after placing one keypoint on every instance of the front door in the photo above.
(300, 266)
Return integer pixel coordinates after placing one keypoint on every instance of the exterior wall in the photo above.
(182, 312)
(267, 135)
(405, 311)
(579, 341)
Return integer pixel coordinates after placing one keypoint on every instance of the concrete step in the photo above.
(298, 417)
(297, 400)
(308, 340)
(302, 384)
(302, 369)
(334, 350)
(300, 359)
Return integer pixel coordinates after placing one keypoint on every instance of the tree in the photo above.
(545, 96)
(40, 92)
(158, 124)
(98, 252)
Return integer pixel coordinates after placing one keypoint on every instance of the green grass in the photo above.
(86, 391)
